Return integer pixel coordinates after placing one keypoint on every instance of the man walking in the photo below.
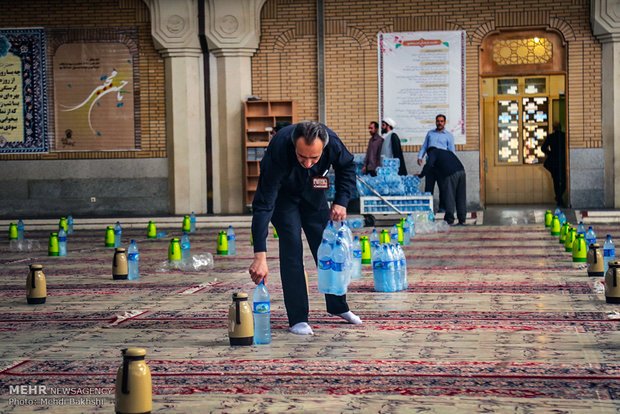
(291, 193)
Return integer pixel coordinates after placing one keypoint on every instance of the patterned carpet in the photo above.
(495, 319)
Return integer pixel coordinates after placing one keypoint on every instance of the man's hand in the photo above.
(338, 213)
(258, 269)
(364, 169)
(420, 161)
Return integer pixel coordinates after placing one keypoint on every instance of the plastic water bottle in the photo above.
(118, 231)
(324, 255)
(262, 315)
(406, 232)
(562, 218)
(232, 244)
(394, 234)
(356, 272)
(62, 242)
(69, 224)
(557, 211)
(344, 228)
(581, 229)
(374, 241)
(590, 237)
(20, 230)
(185, 246)
(339, 280)
(377, 271)
(402, 277)
(609, 252)
(192, 222)
(397, 263)
(388, 268)
(411, 221)
(355, 223)
(133, 261)
(330, 233)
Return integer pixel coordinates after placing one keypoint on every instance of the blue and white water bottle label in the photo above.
(262, 307)
(325, 264)
(338, 267)
(133, 256)
(231, 237)
(357, 254)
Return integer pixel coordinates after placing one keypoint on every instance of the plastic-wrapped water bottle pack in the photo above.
(194, 263)
(388, 182)
(425, 223)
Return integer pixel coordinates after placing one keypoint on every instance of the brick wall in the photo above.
(102, 14)
(285, 64)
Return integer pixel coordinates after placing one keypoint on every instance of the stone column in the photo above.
(605, 19)
(174, 27)
(232, 30)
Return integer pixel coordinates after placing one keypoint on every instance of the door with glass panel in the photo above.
(518, 113)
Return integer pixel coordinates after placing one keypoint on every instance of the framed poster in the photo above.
(93, 96)
(421, 75)
(23, 106)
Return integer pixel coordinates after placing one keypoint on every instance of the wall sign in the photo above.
(421, 75)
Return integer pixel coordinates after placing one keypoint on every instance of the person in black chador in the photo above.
(554, 147)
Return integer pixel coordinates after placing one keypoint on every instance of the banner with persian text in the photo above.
(421, 75)
(23, 106)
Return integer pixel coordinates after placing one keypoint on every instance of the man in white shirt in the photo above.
(438, 138)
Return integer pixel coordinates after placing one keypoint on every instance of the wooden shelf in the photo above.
(260, 118)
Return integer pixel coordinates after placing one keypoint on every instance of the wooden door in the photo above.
(517, 116)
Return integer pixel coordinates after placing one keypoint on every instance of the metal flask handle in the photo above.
(237, 312)
(594, 252)
(125, 381)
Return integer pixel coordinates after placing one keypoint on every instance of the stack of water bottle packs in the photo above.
(388, 182)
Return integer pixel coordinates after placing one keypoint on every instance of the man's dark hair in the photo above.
(376, 124)
(441, 115)
(309, 131)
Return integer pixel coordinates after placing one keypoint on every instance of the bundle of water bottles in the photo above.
(389, 265)
(388, 182)
(340, 259)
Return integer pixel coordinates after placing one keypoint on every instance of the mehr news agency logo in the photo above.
(42, 395)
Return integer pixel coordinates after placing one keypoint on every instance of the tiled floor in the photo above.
(497, 318)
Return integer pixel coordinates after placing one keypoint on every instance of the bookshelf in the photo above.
(260, 118)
